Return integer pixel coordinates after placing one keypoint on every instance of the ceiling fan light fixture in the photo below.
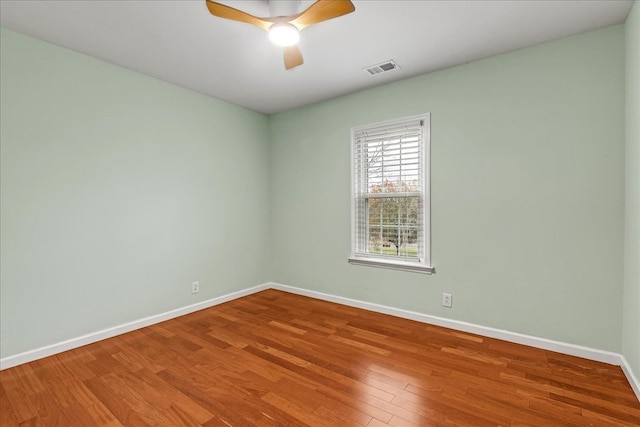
(284, 34)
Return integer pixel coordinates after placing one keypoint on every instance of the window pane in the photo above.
(393, 226)
(393, 165)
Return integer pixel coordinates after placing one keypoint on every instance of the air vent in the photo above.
(381, 68)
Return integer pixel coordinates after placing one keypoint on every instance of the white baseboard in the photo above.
(633, 380)
(50, 350)
(543, 343)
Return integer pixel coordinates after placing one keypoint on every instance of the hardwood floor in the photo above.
(278, 359)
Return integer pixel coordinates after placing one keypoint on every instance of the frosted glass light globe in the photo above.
(284, 34)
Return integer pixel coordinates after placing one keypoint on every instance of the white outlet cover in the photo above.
(447, 300)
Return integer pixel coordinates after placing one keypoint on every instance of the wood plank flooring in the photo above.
(278, 359)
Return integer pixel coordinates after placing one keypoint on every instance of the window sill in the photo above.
(392, 265)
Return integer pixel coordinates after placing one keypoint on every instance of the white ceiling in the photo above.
(181, 43)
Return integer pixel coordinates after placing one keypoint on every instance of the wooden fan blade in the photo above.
(292, 57)
(322, 10)
(227, 12)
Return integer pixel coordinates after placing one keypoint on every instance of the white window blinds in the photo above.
(390, 194)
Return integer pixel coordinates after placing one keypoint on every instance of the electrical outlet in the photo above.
(446, 300)
(195, 287)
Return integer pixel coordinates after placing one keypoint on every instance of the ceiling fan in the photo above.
(284, 30)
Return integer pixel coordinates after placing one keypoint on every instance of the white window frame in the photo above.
(359, 256)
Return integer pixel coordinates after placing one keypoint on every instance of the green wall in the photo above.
(631, 320)
(527, 152)
(118, 191)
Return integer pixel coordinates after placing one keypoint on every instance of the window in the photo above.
(390, 194)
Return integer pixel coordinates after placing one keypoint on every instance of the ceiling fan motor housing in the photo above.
(279, 8)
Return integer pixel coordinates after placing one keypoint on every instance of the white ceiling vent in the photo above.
(381, 68)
